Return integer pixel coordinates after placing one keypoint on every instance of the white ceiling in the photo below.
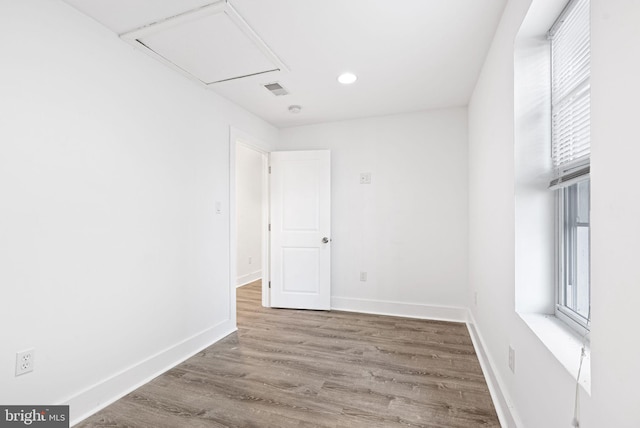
(409, 55)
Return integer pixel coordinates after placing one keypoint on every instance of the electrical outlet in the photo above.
(363, 276)
(250, 260)
(25, 361)
(365, 178)
(512, 359)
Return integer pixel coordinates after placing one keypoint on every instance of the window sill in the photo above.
(564, 343)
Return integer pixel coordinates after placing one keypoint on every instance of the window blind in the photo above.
(570, 93)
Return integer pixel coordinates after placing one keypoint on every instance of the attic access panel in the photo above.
(210, 44)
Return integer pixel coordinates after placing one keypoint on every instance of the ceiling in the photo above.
(409, 55)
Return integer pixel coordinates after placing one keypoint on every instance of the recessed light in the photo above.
(347, 78)
(295, 109)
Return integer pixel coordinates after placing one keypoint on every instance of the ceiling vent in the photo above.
(276, 89)
(210, 44)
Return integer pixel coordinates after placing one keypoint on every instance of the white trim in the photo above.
(254, 37)
(221, 6)
(506, 412)
(233, 225)
(96, 397)
(400, 309)
(217, 7)
(266, 232)
(248, 278)
(236, 137)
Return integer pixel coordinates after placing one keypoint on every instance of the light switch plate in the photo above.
(512, 359)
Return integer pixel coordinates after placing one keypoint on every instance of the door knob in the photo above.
(325, 240)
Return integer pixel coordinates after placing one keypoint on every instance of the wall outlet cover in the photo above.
(25, 361)
(365, 178)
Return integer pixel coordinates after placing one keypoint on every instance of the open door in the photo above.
(300, 188)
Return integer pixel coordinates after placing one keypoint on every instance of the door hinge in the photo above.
(269, 169)
(269, 284)
(269, 227)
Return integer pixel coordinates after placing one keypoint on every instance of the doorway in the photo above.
(249, 203)
(294, 195)
(249, 216)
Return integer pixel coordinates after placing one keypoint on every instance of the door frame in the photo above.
(238, 137)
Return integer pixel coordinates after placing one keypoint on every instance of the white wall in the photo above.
(615, 210)
(249, 185)
(541, 391)
(408, 228)
(113, 263)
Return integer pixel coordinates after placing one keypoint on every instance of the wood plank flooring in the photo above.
(293, 368)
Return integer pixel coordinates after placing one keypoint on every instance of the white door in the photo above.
(300, 190)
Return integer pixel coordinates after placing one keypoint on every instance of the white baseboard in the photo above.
(250, 277)
(98, 396)
(506, 413)
(400, 309)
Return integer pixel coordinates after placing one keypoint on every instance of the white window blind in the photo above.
(570, 93)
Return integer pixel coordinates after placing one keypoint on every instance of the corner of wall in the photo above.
(506, 412)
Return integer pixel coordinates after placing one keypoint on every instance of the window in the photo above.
(574, 293)
(571, 147)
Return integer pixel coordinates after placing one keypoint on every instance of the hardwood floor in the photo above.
(293, 368)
